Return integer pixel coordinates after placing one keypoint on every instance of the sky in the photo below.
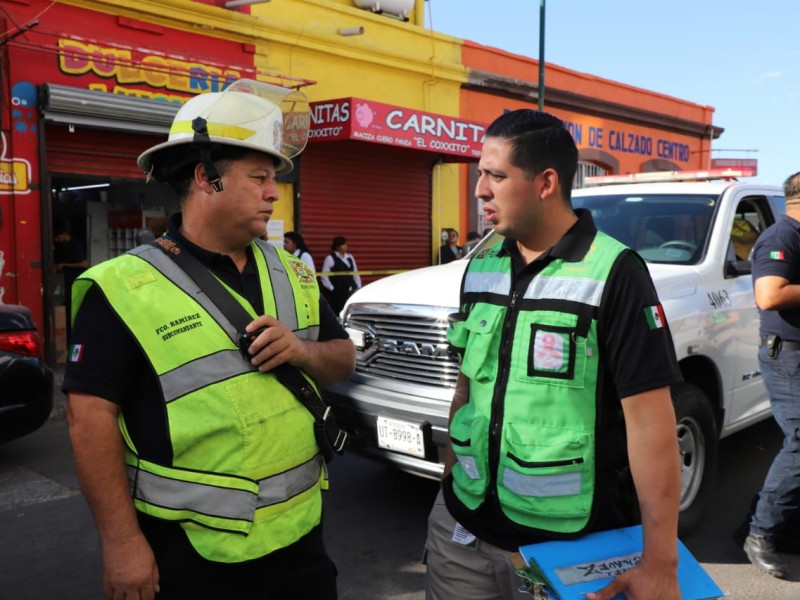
(742, 57)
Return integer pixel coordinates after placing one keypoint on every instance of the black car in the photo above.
(26, 383)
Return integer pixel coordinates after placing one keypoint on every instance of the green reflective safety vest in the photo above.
(246, 475)
(528, 433)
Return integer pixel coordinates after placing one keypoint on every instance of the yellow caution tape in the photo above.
(378, 272)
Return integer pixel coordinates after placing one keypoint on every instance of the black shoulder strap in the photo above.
(288, 375)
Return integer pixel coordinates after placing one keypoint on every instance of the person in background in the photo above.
(202, 469)
(69, 260)
(340, 287)
(473, 237)
(562, 412)
(294, 244)
(450, 250)
(775, 523)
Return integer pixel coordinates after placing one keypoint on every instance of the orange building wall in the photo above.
(630, 145)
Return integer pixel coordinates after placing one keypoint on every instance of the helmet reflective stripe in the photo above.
(216, 129)
(218, 501)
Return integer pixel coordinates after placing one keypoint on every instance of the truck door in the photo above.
(752, 216)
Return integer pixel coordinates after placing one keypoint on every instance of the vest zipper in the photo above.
(497, 412)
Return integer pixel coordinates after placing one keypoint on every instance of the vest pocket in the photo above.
(469, 436)
(546, 473)
(483, 341)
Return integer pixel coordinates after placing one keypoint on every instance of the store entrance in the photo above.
(93, 219)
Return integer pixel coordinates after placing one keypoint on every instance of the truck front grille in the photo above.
(403, 342)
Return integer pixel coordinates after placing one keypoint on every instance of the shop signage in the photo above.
(621, 141)
(15, 173)
(359, 119)
(124, 68)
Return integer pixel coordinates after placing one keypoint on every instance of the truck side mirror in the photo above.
(737, 268)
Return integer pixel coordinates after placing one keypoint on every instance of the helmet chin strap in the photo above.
(200, 128)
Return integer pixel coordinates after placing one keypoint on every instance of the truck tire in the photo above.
(699, 449)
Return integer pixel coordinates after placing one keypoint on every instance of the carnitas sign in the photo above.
(365, 120)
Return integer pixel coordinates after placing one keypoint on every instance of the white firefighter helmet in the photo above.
(249, 114)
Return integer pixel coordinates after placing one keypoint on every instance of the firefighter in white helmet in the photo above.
(202, 469)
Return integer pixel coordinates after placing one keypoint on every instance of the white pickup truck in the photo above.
(695, 236)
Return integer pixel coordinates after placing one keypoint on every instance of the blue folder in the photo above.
(587, 564)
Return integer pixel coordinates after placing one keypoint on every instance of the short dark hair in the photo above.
(338, 241)
(539, 141)
(791, 187)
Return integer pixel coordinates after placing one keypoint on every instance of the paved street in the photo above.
(375, 524)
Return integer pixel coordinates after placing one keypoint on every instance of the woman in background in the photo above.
(294, 243)
(340, 287)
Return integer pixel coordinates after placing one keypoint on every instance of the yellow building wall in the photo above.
(394, 62)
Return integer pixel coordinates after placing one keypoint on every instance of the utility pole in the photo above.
(541, 54)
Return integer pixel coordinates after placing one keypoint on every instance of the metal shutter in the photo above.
(378, 197)
(98, 152)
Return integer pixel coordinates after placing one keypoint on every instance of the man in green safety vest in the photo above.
(562, 402)
(201, 468)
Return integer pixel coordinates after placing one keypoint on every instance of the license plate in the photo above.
(401, 436)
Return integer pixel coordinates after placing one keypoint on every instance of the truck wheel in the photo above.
(698, 447)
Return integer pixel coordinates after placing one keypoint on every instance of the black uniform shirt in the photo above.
(777, 252)
(113, 366)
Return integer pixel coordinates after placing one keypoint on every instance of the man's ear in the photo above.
(548, 180)
(201, 179)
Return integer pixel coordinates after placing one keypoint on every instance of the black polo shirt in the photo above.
(113, 366)
(635, 357)
(777, 252)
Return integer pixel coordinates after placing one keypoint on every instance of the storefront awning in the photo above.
(457, 139)
(76, 106)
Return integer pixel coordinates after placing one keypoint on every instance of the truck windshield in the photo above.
(661, 228)
(670, 229)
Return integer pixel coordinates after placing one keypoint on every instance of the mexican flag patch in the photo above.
(654, 316)
(776, 255)
(76, 353)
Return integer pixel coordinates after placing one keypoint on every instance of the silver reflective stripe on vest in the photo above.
(167, 267)
(281, 487)
(221, 502)
(542, 486)
(492, 282)
(202, 372)
(284, 293)
(586, 291)
(201, 498)
(281, 287)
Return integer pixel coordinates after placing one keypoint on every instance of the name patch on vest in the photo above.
(549, 351)
(179, 325)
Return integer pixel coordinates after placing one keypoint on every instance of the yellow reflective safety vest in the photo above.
(526, 439)
(246, 475)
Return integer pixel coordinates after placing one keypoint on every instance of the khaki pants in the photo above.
(482, 572)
